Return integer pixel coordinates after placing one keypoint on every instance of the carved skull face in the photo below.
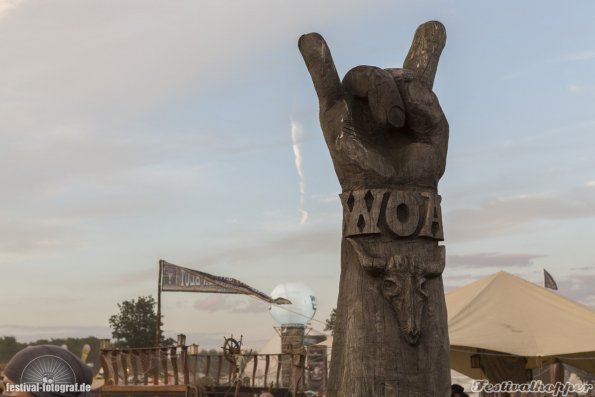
(403, 288)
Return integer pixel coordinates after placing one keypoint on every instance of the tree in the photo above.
(136, 324)
(330, 322)
(9, 347)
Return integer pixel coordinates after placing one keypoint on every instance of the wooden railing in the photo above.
(146, 369)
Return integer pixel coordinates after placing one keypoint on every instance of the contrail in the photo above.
(296, 135)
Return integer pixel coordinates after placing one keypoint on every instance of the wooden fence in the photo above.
(174, 370)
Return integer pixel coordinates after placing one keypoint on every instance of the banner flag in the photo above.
(549, 280)
(177, 278)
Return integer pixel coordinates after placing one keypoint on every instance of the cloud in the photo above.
(312, 242)
(579, 56)
(580, 88)
(326, 198)
(490, 259)
(26, 333)
(80, 115)
(497, 216)
(454, 281)
(128, 58)
(232, 304)
(7, 5)
(583, 268)
(140, 276)
(297, 134)
(26, 238)
(578, 286)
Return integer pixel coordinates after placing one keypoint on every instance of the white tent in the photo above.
(511, 325)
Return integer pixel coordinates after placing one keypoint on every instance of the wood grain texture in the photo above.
(388, 138)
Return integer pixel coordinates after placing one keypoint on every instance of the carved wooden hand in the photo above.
(388, 138)
(384, 127)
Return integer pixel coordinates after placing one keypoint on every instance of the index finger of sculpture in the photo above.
(424, 54)
(319, 62)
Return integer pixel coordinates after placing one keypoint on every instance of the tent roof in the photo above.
(505, 313)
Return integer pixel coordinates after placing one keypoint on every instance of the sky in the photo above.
(139, 130)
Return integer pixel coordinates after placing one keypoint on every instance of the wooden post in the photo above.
(387, 137)
(158, 335)
(556, 373)
(219, 364)
(114, 361)
(145, 365)
(124, 361)
(292, 342)
(208, 370)
(279, 363)
(266, 368)
(104, 357)
(255, 358)
(134, 359)
(231, 372)
(174, 364)
(163, 360)
(155, 352)
(325, 373)
(184, 356)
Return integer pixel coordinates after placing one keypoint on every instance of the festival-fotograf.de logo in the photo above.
(48, 370)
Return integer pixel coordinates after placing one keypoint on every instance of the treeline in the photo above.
(9, 346)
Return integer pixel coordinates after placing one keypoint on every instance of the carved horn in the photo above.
(373, 265)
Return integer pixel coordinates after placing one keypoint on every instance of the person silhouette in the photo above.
(458, 391)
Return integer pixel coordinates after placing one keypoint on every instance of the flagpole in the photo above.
(158, 333)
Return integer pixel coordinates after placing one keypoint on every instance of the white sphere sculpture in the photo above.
(302, 307)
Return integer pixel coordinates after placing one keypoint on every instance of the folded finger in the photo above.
(425, 117)
(378, 87)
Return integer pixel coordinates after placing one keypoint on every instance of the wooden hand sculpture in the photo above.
(383, 127)
(388, 138)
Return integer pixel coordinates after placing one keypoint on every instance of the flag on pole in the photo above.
(549, 280)
(177, 278)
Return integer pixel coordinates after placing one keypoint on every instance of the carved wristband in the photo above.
(402, 214)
